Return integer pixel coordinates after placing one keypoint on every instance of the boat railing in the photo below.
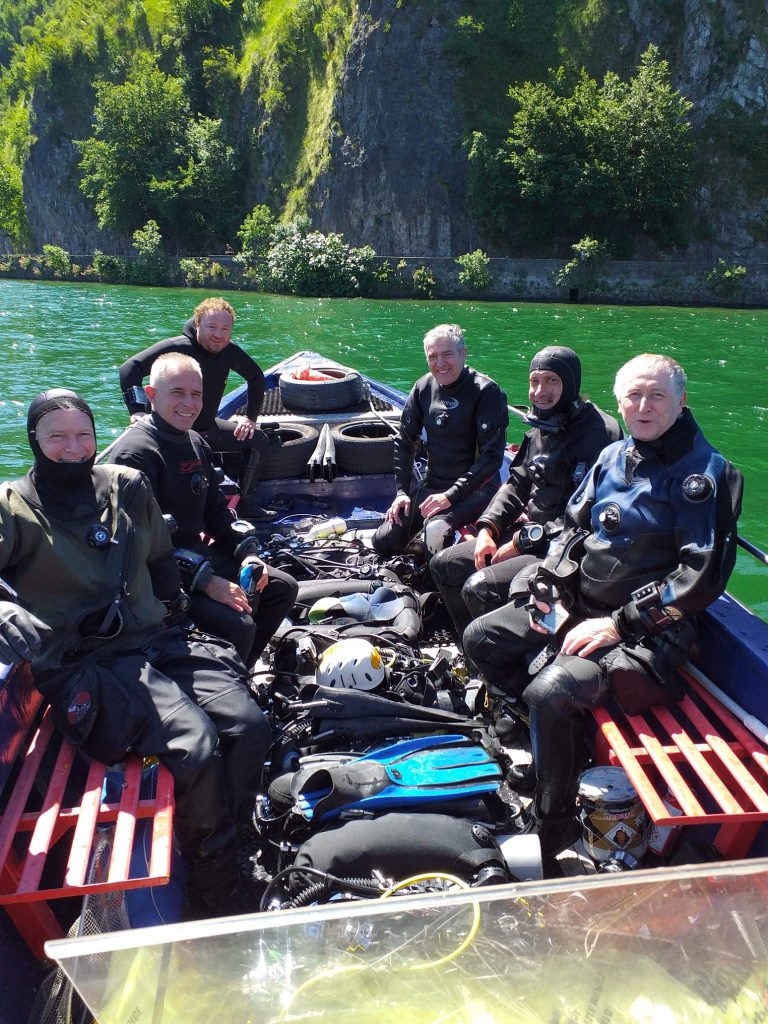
(753, 549)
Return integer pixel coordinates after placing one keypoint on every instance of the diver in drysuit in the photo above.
(177, 462)
(89, 580)
(464, 415)
(207, 338)
(566, 436)
(649, 542)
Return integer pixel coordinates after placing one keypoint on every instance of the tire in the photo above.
(364, 447)
(288, 453)
(345, 390)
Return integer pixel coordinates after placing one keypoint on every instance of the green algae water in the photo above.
(72, 335)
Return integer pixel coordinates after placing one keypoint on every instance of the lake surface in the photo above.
(72, 335)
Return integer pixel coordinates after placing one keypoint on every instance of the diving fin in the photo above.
(414, 772)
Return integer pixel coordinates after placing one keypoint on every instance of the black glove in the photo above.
(20, 633)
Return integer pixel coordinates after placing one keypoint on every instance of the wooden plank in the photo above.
(42, 836)
(86, 819)
(122, 842)
(18, 799)
(687, 799)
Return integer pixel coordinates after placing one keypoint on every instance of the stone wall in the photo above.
(674, 283)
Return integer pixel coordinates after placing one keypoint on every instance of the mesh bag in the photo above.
(57, 1002)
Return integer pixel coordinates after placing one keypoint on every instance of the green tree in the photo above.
(57, 260)
(474, 273)
(140, 136)
(150, 267)
(589, 255)
(200, 200)
(602, 159)
(256, 234)
(726, 278)
(13, 214)
(304, 262)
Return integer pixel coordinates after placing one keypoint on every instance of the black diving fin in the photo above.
(420, 771)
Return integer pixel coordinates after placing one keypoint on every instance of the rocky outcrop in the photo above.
(397, 179)
(57, 211)
(397, 174)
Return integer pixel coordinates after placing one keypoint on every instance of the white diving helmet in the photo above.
(351, 664)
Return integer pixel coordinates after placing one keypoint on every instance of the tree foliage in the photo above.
(303, 262)
(139, 137)
(474, 273)
(149, 159)
(604, 159)
(255, 233)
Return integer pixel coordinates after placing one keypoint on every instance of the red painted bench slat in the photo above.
(28, 835)
(714, 766)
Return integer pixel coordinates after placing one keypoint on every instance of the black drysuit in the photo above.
(657, 521)
(465, 425)
(552, 460)
(183, 480)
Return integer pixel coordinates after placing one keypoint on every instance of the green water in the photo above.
(77, 335)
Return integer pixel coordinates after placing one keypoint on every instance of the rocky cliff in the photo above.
(393, 170)
(397, 174)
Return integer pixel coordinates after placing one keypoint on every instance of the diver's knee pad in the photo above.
(438, 534)
(558, 691)
(478, 595)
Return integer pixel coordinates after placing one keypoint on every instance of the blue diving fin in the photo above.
(426, 770)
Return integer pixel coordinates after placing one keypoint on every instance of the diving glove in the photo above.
(20, 633)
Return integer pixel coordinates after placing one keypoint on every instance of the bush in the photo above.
(726, 278)
(200, 273)
(151, 266)
(112, 269)
(304, 262)
(56, 260)
(589, 256)
(256, 234)
(474, 273)
(424, 283)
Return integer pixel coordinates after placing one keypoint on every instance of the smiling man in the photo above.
(88, 581)
(566, 436)
(177, 462)
(649, 542)
(464, 416)
(207, 338)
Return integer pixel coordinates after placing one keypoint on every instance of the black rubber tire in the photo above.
(344, 391)
(287, 456)
(364, 446)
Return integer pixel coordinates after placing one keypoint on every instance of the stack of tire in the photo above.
(362, 446)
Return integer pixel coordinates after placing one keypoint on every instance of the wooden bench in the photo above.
(701, 753)
(45, 800)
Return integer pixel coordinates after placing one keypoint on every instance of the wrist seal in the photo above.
(530, 539)
(643, 614)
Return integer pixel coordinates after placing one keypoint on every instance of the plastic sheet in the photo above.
(673, 946)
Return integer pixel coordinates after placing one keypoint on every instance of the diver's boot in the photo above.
(215, 889)
(247, 506)
(253, 877)
(558, 754)
(555, 833)
(522, 778)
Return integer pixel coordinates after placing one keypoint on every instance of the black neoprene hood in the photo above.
(567, 365)
(52, 399)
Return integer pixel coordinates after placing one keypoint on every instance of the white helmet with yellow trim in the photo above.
(351, 664)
